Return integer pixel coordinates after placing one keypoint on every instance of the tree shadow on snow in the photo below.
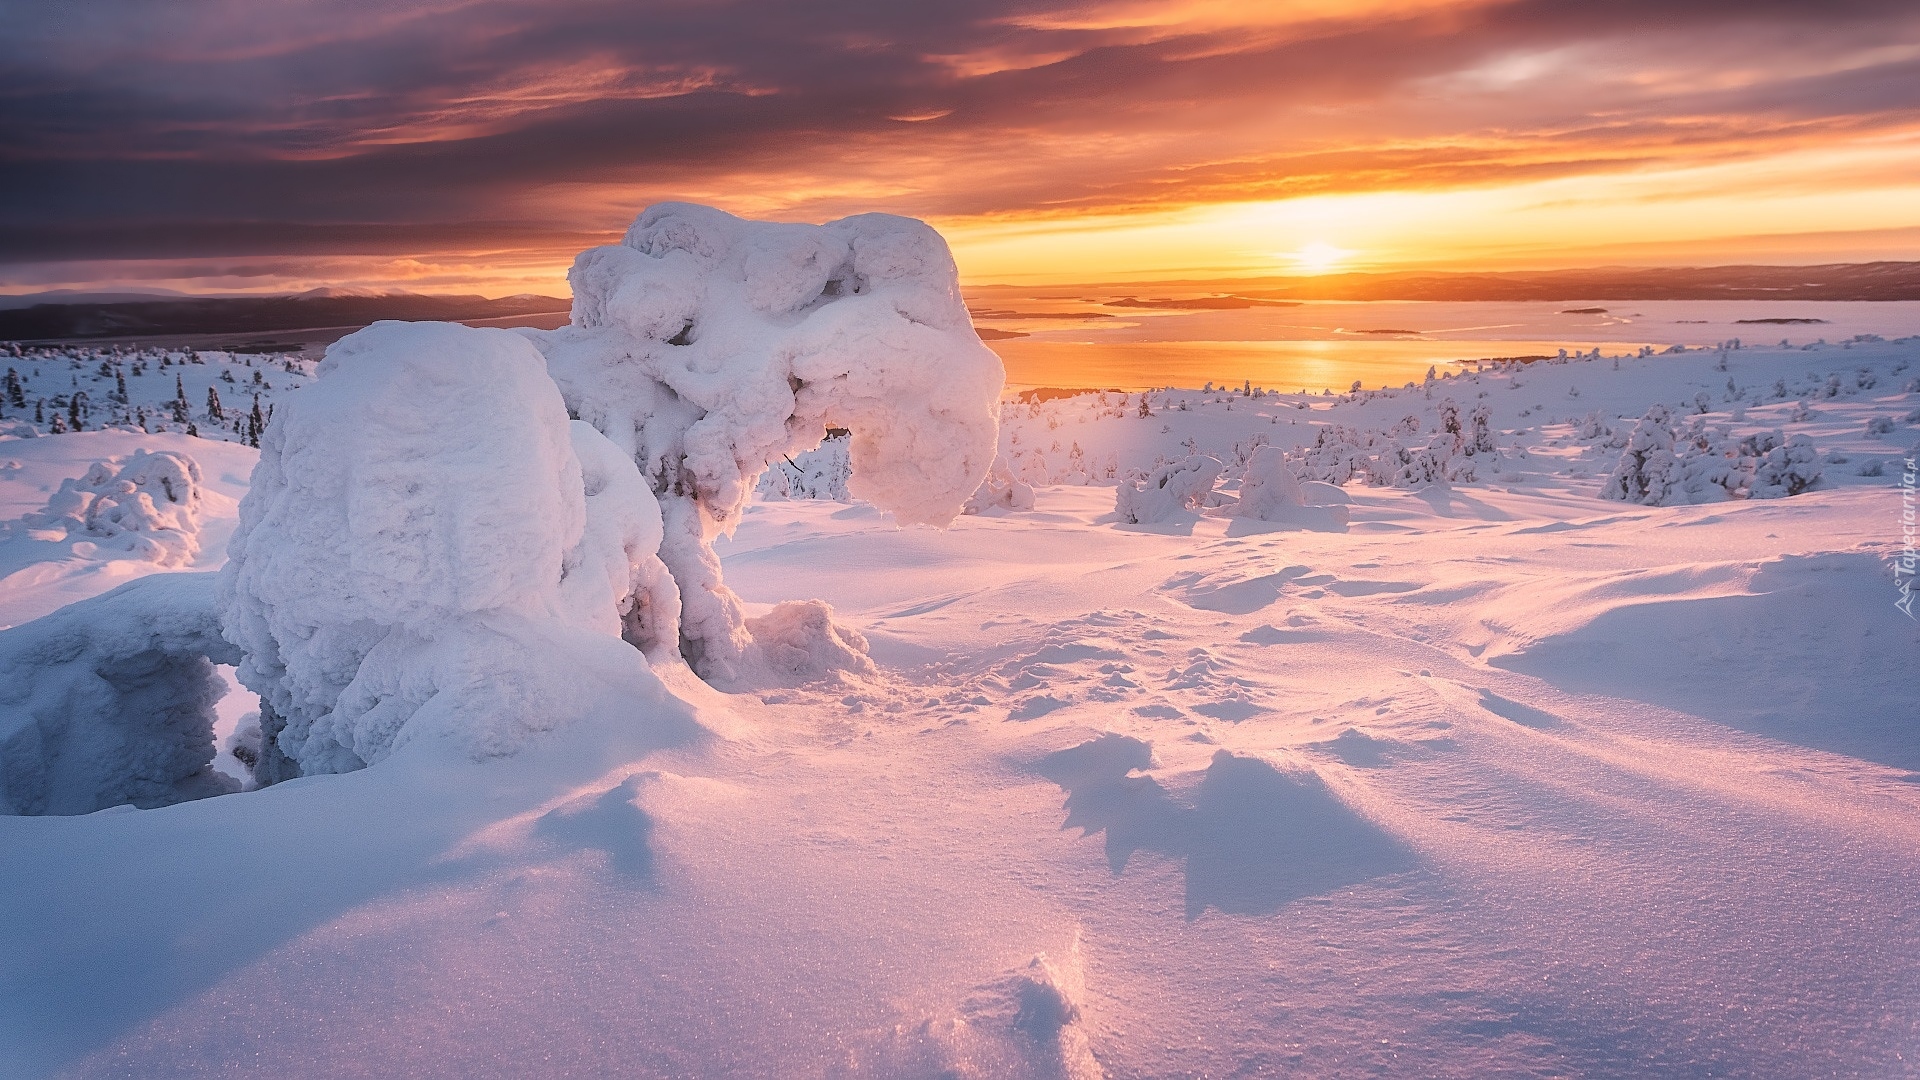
(1299, 519)
(1256, 836)
(1447, 502)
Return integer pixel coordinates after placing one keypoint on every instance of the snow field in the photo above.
(1475, 776)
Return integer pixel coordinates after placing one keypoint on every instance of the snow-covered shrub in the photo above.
(1000, 490)
(801, 642)
(1879, 425)
(1479, 434)
(1338, 454)
(1645, 472)
(423, 553)
(1270, 492)
(1434, 463)
(1169, 490)
(111, 700)
(1787, 469)
(1269, 489)
(147, 506)
(706, 347)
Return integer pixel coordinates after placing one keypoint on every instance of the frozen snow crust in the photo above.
(422, 551)
(707, 347)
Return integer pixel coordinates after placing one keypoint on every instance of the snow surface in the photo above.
(1495, 777)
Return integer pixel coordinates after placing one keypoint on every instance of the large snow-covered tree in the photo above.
(706, 347)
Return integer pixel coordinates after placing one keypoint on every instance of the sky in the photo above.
(478, 145)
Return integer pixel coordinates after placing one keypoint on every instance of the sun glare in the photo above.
(1319, 257)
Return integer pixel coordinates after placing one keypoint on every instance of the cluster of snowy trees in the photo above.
(1403, 456)
(1663, 464)
(1268, 491)
(128, 388)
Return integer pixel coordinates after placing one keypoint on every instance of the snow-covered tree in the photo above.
(1479, 438)
(1787, 469)
(707, 347)
(431, 547)
(1645, 472)
(1168, 490)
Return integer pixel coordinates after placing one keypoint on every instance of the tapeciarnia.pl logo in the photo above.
(1904, 566)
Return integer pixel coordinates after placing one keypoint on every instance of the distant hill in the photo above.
(117, 317)
(1840, 281)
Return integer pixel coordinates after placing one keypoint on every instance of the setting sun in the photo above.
(1318, 257)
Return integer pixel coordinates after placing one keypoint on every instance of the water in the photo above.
(1327, 344)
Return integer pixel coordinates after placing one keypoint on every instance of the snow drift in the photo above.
(110, 700)
(706, 347)
(430, 546)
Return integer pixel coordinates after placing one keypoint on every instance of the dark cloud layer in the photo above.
(211, 127)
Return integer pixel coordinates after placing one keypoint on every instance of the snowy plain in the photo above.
(1493, 777)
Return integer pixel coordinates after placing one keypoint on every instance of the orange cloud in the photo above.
(1050, 141)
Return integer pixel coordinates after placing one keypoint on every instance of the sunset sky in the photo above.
(441, 145)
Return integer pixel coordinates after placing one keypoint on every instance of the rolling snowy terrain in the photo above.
(1394, 749)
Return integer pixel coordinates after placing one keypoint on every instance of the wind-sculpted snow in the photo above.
(707, 347)
(1024, 1024)
(1256, 834)
(110, 700)
(422, 551)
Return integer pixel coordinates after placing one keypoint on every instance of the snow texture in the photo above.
(110, 700)
(147, 506)
(420, 540)
(1024, 1024)
(707, 347)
